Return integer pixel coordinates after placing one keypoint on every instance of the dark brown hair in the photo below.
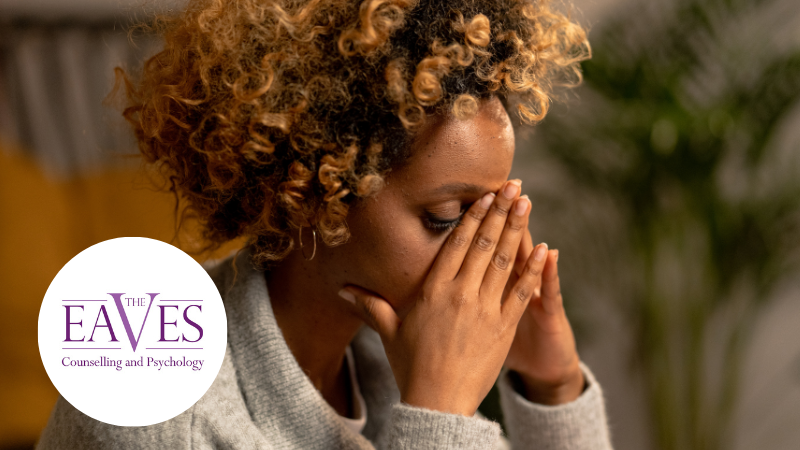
(269, 115)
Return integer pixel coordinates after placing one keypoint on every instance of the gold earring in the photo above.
(314, 249)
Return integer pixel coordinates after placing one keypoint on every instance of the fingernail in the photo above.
(540, 252)
(516, 181)
(347, 295)
(487, 200)
(521, 206)
(556, 252)
(510, 190)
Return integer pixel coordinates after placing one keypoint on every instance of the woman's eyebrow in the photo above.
(460, 188)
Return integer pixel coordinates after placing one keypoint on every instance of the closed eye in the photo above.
(439, 225)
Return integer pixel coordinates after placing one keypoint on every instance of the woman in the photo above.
(364, 150)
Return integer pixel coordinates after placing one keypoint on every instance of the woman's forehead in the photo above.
(455, 154)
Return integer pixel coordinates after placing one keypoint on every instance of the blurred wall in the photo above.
(69, 177)
(769, 392)
(44, 224)
(81, 10)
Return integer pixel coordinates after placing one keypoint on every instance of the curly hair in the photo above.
(269, 115)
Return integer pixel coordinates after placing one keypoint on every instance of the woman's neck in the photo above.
(316, 326)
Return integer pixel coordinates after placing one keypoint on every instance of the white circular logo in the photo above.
(132, 331)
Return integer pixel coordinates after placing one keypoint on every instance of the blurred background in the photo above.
(670, 181)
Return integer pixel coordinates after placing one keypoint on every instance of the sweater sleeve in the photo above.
(578, 425)
(418, 428)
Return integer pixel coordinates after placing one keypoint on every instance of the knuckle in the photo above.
(533, 270)
(476, 214)
(459, 300)
(500, 210)
(501, 260)
(515, 225)
(522, 294)
(457, 240)
(429, 292)
(483, 242)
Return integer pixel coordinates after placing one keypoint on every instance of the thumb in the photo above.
(376, 312)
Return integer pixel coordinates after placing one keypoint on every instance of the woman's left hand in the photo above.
(543, 352)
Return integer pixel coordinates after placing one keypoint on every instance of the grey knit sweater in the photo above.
(262, 399)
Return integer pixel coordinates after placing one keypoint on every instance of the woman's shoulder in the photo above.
(223, 270)
(219, 417)
(70, 428)
(235, 272)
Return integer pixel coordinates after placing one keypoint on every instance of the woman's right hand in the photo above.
(448, 351)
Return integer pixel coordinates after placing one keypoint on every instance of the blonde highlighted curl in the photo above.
(270, 115)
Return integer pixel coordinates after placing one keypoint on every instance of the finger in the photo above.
(502, 263)
(525, 249)
(482, 248)
(552, 302)
(527, 286)
(376, 312)
(451, 256)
